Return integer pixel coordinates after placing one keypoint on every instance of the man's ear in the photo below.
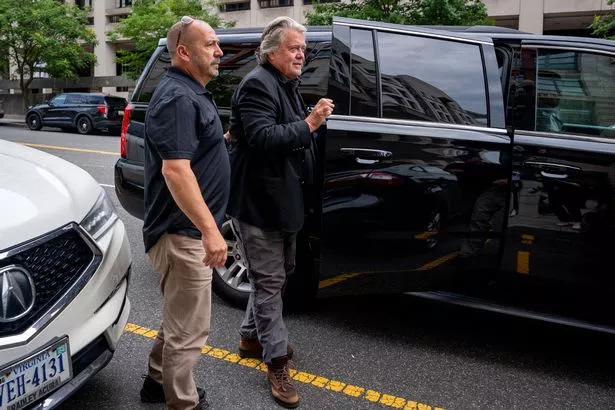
(182, 52)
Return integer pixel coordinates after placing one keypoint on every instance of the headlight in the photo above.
(101, 217)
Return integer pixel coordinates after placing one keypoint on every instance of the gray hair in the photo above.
(272, 36)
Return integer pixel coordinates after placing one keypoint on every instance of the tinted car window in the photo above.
(417, 84)
(115, 102)
(94, 99)
(564, 91)
(237, 61)
(363, 88)
(574, 93)
(156, 73)
(74, 99)
(58, 100)
(315, 74)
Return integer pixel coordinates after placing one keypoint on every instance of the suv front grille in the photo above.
(55, 263)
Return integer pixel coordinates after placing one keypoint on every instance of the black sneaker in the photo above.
(152, 392)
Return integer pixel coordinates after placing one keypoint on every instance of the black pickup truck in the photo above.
(473, 165)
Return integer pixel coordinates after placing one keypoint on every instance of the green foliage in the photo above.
(150, 20)
(432, 12)
(604, 26)
(45, 31)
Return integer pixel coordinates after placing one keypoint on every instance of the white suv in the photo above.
(64, 270)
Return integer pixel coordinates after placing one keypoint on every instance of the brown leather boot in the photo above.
(251, 348)
(282, 388)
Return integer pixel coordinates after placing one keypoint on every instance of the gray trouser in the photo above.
(485, 207)
(270, 256)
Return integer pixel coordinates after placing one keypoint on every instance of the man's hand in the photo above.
(227, 136)
(320, 112)
(215, 246)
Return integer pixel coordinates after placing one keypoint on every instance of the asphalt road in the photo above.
(352, 352)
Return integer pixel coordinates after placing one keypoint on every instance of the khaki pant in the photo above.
(186, 289)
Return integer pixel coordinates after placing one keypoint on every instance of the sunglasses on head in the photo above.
(186, 20)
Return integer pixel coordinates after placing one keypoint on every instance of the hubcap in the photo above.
(234, 272)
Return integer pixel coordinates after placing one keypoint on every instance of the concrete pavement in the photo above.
(13, 120)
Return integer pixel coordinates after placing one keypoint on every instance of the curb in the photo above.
(12, 123)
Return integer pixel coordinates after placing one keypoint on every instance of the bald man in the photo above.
(187, 179)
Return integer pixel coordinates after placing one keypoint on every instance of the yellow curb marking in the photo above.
(93, 151)
(303, 377)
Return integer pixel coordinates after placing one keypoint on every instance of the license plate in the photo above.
(120, 112)
(23, 383)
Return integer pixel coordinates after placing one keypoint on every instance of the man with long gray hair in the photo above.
(272, 138)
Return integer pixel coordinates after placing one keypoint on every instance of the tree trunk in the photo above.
(24, 85)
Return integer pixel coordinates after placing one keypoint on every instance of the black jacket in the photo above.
(268, 151)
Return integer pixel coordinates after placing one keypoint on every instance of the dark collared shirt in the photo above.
(182, 122)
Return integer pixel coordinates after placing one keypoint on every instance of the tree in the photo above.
(604, 26)
(150, 20)
(44, 35)
(435, 12)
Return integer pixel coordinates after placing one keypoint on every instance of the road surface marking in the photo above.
(93, 151)
(302, 377)
(337, 279)
(428, 266)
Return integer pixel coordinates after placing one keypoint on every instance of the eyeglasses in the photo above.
(186, 20)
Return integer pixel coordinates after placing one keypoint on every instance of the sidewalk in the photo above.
(13, 120)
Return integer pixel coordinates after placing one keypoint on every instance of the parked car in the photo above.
(473, 165)
(84, 112)
(1, 107)
(64, 268)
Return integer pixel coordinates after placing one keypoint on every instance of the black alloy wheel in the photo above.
(34, 122)
(84, 125)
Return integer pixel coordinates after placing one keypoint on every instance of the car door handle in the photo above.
(366, 155)
(551, 165)
(553, 170)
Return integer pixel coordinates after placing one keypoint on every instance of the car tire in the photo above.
(84, 125)
(34, 122)
(231, 282)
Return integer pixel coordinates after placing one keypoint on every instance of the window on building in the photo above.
(417, 86)
(306, 2)
(228, 7)
(83, 3)
(265, 4)
(123, 3)
(565, 92)
(116, 18)
(364, 87)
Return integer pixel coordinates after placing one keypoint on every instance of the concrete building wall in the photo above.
(538, 16)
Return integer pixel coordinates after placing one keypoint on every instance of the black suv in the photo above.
(85, 112)
(474, 165)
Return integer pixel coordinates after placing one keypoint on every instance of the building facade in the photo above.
(568, 17)
(535, 16)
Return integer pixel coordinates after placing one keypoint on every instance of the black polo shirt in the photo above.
(182, 122)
